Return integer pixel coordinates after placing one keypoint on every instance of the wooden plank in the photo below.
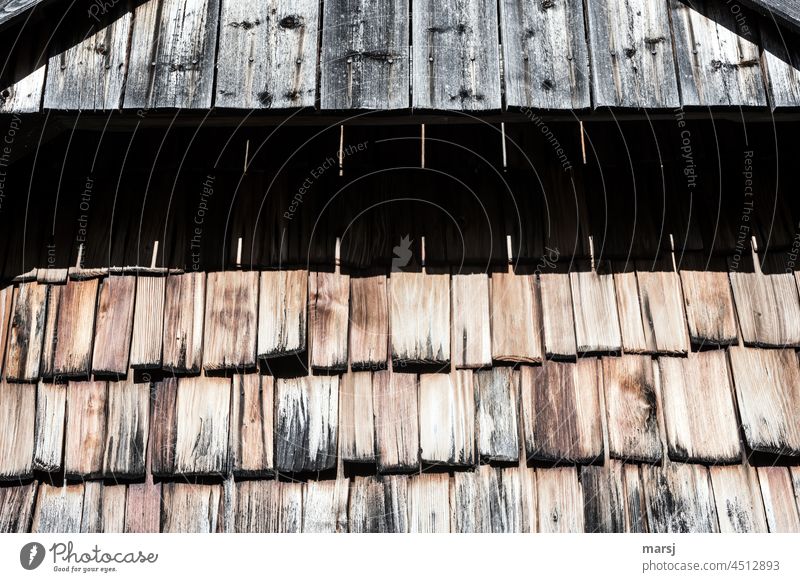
(191, 508)
(369, 323)
(631, 323)
(795, 472)
(395, 398)
(23, 93)
(26, 336)
(419, 310)
(679, 499)
(496, 395)
(630, 395)
(367, 506)
(527, 481)
(128, 412)
(306, 423)
(357, 419)
(173, 47)
(252, 413)
(50, 340)
(86, 422)
(487, 501)
(718, 62)
(632, 57)
(738, 500)
(11, 11)
(89, 74)
(6, 311)
(779, 499)
(257, 506)
(560, 500)
(545, 57)
(73, 355)
(114, 329)
(516, 323)
(163, 427)
(396, 502)
(447, 418)
(184, 308)
(143, 507)
(768, 392)
(780, 61)
(558, 322)
(231, 321)
(469, 511)
(103, 508)
(700, 419)
(429, 503)
(58, 509)
(768, 308)
(267, 54)
(594, 306)
(662, 311)
(282, 305)
(17, 426)
(202, 409)
(604, 498)
(456, 59)
(709, 307)
(16, 507)
(51, 401)
(472, 347)
(561, 411)
(635, 504)
(325, 506)
(365, 61)
(148, 323)
(290, 518)
(329, 297)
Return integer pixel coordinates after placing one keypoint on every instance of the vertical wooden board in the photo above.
(291, 508)
(364, 57)
(17, 426)
(472, 347)
(558, 322)
(631, 402)
(635, 505)
(114, 329)
(267, 54)
(396, 502)
(90, 74)
(561, 411)
(502, 491)
(163, 427)
(679, 499)
(560, 500)
(699, 414)
(103, 508)
(541, 70)
(148, 322)
(718, 64)
(143, 507)
(795, 472)
(768, 308)
(369, 322)
(282, 304)
(429, 503)
(366, 507)
(16, 507)
(231, 321)
(325, 506)
(50, 339)
(6, 305)
(184, 308)
(632, 56)
(252, 415)
(496, 396)
(447, 418)
(73, 355)
(202, 409)
(26, 336)
(631, 323)
(737, 499)
(128, 412)
(188, 508)
(85, 429)
(516, 323)
(257, 506)
(469, 510)
(527, 481)
(357, 418)
(420, 318)
(768, 392)
(779, 500)
(662, 310)
(603, 498)
(594, 306)
(58, 509)
(709, 307)
(456, 57)
(51, 401)
(395, 398)
(329, 298)
(781, 65)
(306, 423)
(180, 37)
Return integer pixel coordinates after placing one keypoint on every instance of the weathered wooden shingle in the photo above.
(709, 307)
(16, 507)
(328, 320)
(679, 499)
(369, 322)
(75, 329)
(128, 417)
(429, 503)
(252, 413)
(26, 335)
(231, 321)
(604, 498)
(663, 317)
(356, 417)
(143, 507)
(202, 410)
(634, 340)
(58, 509)
(51, 400)
(325, 506)
(594, 306)
(486, 501)
(366, 507)
(188, 508)
(163, 427)
(17, 424)
(496, 395)
(472, 339)
(282, 305)
(184, 309)
(114, 329)
(419, 307)
(516, 323)
(103, 508)
(738, 500)
(558, 321)
(559, 500)
(148, 322)
(22, 92)
(85, 429)
(290, 518)
(395, 398)
(779, 500)
(447, 418)
(257, 506)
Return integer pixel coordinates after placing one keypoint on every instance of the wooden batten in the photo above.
(561, 411)
(367, 506)
(356, 418)
(329, 298)
(16, 507)
(447, 418)
(604, 495)
(258, 505)
(252, 413)
(496, 396)
(184, 309)
(663, 316)
(594, 304)
(202, 410)
(17, 425)
(395, 398)
(148, 322)
(58, 509)
(163, 427)
(282, 304)
(76, 314)
(50, 339)
(128, 416)
(51, 400)
(516, 322)
(679, 499)
(103, 508)
(709, 306)
(306, 423)
(558, 321)
(369, 323)
(290, 517)
(6, 311)
(188, 508)
(25, 338)
(419, 307)
(631, 408)
(559, 500)
(325, 506)
(114, 328)
(143, 507)
(85, 431)
(429, 503)
(738, 499)
(779, 499)
(472, 338)
(231, 321)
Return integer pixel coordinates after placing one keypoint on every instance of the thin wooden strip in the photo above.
(58, 509)
(634, 340)
(17, 426)
(502, 494)
(231, 321)
(357, 419)
(558, 323)
(51, 401)
(795, 472)
(6, 307)
(367, 508)
(471, 323)
(128, 412)
(184, 308)
(447, 418)
(420, 318)
(429, 503)
(191, 508)
(163, 427)
(103, 508)
(252, 413)
(329, 297)
(595, 308)
(738, 500)
(114, 329)
(291, 508)
(709, 307)
(86, 429)
(148, 321)
(325, 506)
(27, 333)
(635, 504)
(396, 503)
(282, 305)
(779, 500)
(560, 500)
(679, 499)
(73, 356)
(604, 498)
(496, 395)
(143, 507)
(516, 324)
(50, 340)
(52, 276)
(369, 323)
(257, 506)
(662, 310)
(202, 409)
(16, 507)
(395, 398)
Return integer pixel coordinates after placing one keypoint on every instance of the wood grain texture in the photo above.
(283, 300)
(24, 92)
(558, 322)
(560, 500)
(329, 298)
(456, 57)
(6, 314)
(419, 307)
(631, 323)
(472, 338)
(395, 398)
(369, 323)
(25, 338)
(163, 427)
(632, 56)
(103, 508)
(114, 328)
(365, 55)
(16, 507)
(447, 418)
(496, 402)
(679, 499)
(516, 323)
(709, 307)
(231, 321)
(202, 409)
(631, 402)
(267, 54)
(356, 418)
(595, 309)
(699, 414)
(86, 429)
(258, 505)
(58, 509)
(545, 56)
(51, 401)
(189, 508)
(184, 308)
(252, 414)
(662, 311)
(50, 339)
(128, 413)
(429, 503)
(17, 426)
(768, 392)
(143, 507)
(780, 62)
(325, 506)
(768, 308)
(779, 499)
(604, 498)
(148, 323)
(738, 500)
(76, 310)
(367, 506)
(636, 514)
(290, 518)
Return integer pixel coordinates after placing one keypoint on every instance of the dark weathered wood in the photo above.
(103, 508)
(635, 504)
(231, 321)
(114, 328)
(50, 339)
(558, 322)
(781, 64)
(12, 10)
(486, 501)
(23, 93)
(496, 401)
(356, 418)
(163, 427)
(267, 54)
(202, 409)
(779, 502)
(603, 498)
(456, 56)
(784, 12)
(369, 322)
(559, 500)
(16, 507)
(419, 307)
(58, 509)
(184, 309)
(148, 323)
(328, 319)
(679, 499)
(26, 335)
(85, 429)
(188, 508)
(516, 323)
(73, 355)
(128, 412)
(282, 305)
(447, 418)
(17, 425)
(143, 507)
(541, 70)
(594, 305)
(51, 400)
(367, 506)
(252, 412)
(325, 506)
(738, 500)
(709, 307)
(429, 503)
(395, 398)
(365, 61)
